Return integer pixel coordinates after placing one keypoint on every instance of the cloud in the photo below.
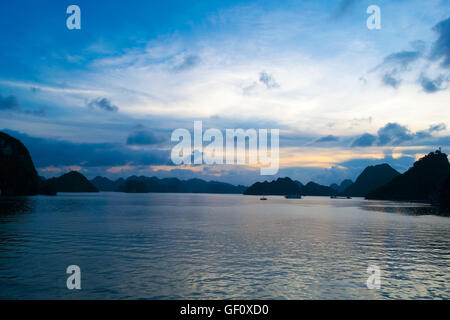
(393, 133)
(329, 138)
(189, 62)
(142, 138)
(103, 104)
(390, 80)
(227, 66)
(437, 127)
(268, 80)
(433, 128)
(395, 65)
(432, 86)
(47, 152)
(402, 58)
(246, 91)
(365, 140)
(343, 8)
(441, 47)
(9, 103)
(418, 45)
(265, 80)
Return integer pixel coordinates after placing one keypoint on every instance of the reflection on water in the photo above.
(175, 246)
(409, 208)
(15, 205)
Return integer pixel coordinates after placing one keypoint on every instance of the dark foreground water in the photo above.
(176, 246)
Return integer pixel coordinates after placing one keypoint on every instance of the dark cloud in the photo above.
(103, 104)
(441, 47)
(142, 138)
(189, 62)
(433, 128)
(365, 140)
(268, 80)
(419, 45)
(390, 80)
(402, 58)
(329, 138)
(51, 152)
(397, 63)
(437, 127)
(432, 86)
(393, 133)
(9, 103)
(343, 7)
(38, 112)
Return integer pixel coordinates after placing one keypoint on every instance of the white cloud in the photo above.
(315, 86)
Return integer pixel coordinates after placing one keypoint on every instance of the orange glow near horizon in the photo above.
(291, 157)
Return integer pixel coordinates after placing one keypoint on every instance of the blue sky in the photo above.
(105, 99)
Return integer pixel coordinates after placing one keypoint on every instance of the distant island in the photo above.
(315, 189)
(281, 186)
(371, 178)
(144, 184)
(69, 182)
(341, 187)
(428, 180)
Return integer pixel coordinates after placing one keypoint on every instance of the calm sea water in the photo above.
(177, 246)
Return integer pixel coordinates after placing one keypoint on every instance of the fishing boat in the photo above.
(338, 197)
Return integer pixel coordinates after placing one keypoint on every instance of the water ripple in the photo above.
(167, 246)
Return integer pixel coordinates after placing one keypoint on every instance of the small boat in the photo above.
(263, 198)
(293, 196)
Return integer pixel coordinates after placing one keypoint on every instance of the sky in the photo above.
(105, 99)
